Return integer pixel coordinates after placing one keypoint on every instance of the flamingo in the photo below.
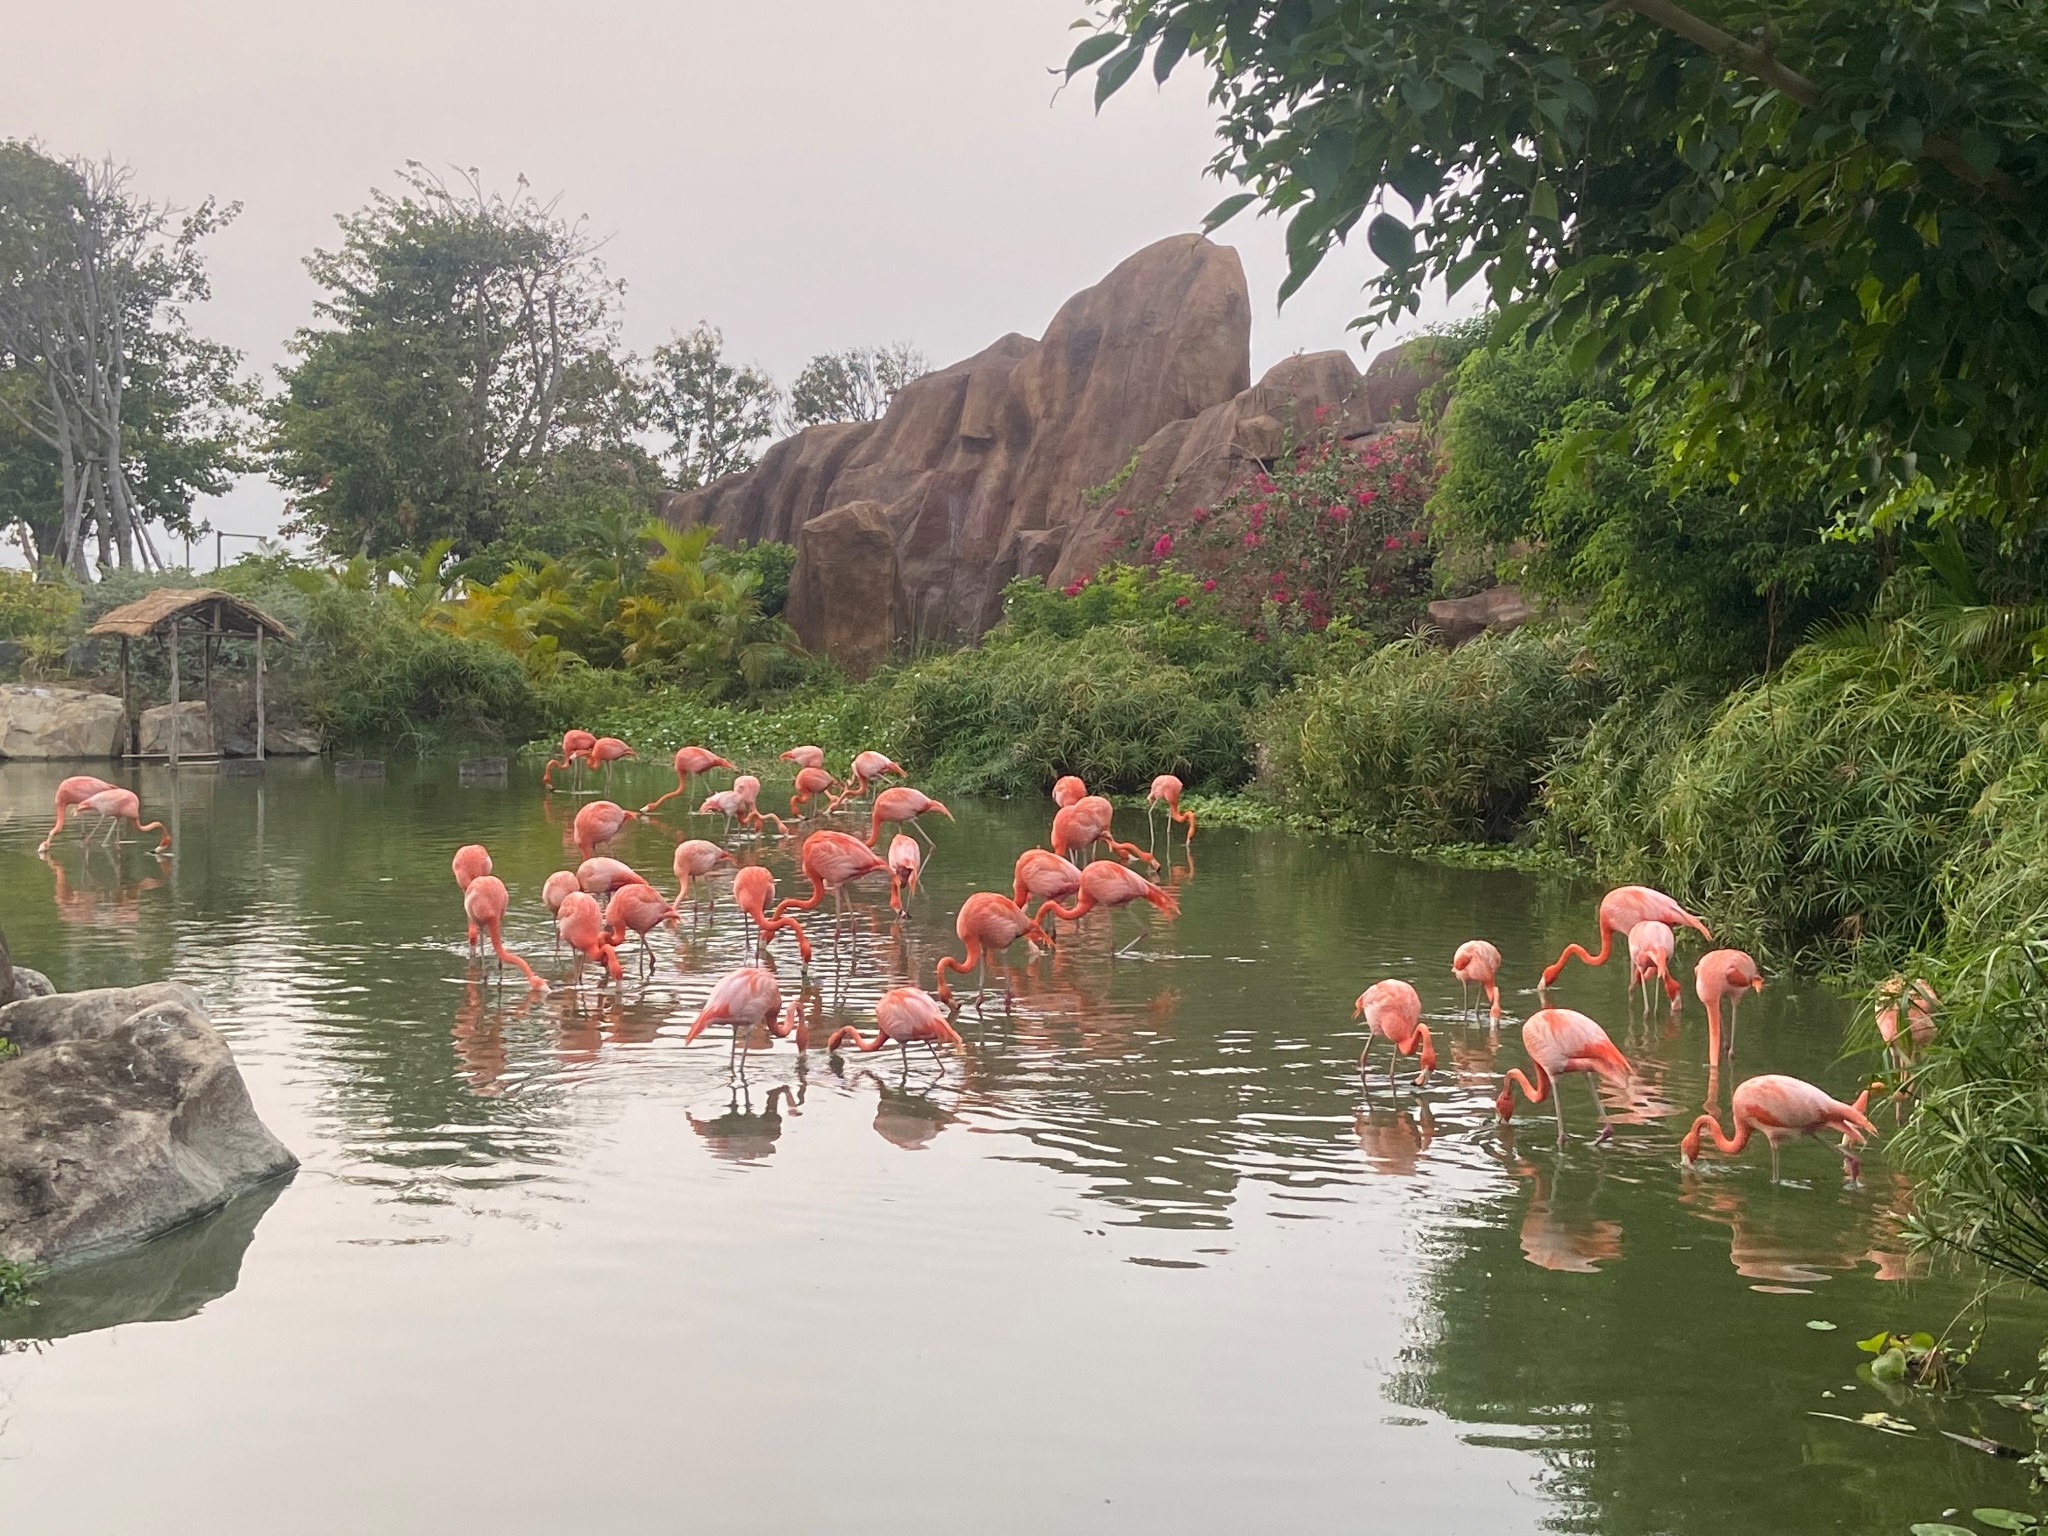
(1920, 1002)
(690, 761)
(1108, 884)
(1477, 963)
(598, 822)
(1560, 1041)
(71, 794)
(867, 768)
(554, 890)
(115, 805)
(607, 750)
(1650, 944)
(1045, 875)
(1723, 975)
(576, 747)
(1782, 1108)
(805, 757)
(579, 922)
(988, 923)
(902, 1015)
(752, 889)
(1168, 787)
(1393, 1010)
(727, 803)
(902, 804)
(602, 876)
(811, 782)
(1066, 789)
(1620, 910)
(1085, 823)
(749, 999)
(695, 859)
(905, 862)
(484, 901)
(471, 860)
(830, 861)
(637, 907)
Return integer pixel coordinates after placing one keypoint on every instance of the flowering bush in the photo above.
(1331, 530)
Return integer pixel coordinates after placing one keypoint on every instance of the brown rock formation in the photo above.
(846, 594)
(1458, 619)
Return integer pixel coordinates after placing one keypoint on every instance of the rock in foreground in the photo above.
(38, 722)
(123, 1117)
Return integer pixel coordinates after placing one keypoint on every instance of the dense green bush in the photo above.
(1422, 745)
(841, 719)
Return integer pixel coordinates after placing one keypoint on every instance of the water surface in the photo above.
(1144, 1256)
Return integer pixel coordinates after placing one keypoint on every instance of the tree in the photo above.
(1817, 229)
(466, 358)
(113, 414)
(713, 413)
(854, 385)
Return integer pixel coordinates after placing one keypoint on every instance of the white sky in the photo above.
(805, 174)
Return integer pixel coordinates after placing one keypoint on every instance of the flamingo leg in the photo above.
(1774, 1158)
(1606, 1121)
(1734, 1004)
(1557, 1103)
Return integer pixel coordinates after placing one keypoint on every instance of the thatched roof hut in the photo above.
(171, 613)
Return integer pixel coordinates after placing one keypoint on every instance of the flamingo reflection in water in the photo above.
(746, 1135)
(90, 903)
(1569, 1242)
(1782, 1246)
(905, 1117)
(1395, 1137)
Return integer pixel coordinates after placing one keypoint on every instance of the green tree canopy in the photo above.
(715, 414)
(1815, 231)
(854, 385)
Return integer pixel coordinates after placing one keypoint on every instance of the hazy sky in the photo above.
(805, 174)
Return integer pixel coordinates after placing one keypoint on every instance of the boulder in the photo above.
(845, 598)
(123, 1117)
(1396, 379)
(28, 983)
(39, 722)
(195, 730)
(1458, 619)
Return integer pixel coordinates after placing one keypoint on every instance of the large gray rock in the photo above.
(123, 1117)
(195, 730)
(39, 722)
(1458, 619)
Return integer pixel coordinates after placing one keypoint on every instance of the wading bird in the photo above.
(805, 757)
(690, 761)
(903, 806)
(579, 922)
(484, 901)
(1921, 1000)
(1559, 1042)
(576, 747)
(115, 805)
(752, 889)
(867, 768)
(695, 860)
(554, 891)
(1723, 975)
(1043, 874)
(831, 861)
(1066, 789)
(607, 750)
(1782, 1109)
(1477, 964)
(1620, 910)
(903, 1016)
(598, 822)
(811, 782)
(471, 860)
(906, 859)
(1084, 824)
(1167, 787)
(640, 909)
(1393, 1011)
(72, 793)
(1112, 885)
(602, 876)
(749, 999)
(1650, 944)
(988, 923)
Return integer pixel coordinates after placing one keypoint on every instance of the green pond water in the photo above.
(1144, 1256)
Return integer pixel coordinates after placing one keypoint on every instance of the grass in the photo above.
(17, 1282)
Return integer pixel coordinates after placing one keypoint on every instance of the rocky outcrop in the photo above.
(195, 730)
(846, 595)
(39, 722)
(124, 1116)
(1458, 619)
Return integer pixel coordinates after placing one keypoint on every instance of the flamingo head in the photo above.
(1427, 1058)
(1689, 1148)
(1036, 935)
(933, 805)
(1504, 1103)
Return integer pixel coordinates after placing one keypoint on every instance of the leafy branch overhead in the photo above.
(1817, 232)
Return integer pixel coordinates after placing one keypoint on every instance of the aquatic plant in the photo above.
(17, 1284)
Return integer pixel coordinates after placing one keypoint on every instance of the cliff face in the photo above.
(980, 471)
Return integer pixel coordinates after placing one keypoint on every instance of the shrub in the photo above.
(39, 616)
(1421, 745)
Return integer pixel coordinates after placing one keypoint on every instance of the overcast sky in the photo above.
(805, 174)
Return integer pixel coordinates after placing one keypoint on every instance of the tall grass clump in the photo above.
(1420, 745)
(1600, 783)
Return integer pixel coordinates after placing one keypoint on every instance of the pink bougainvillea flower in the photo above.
(1209, 585)
(1162, 546)
(1338, 514)
(1180, 602)
(1200, 514)
(1251, 540)
(1367, 497)
(1392, 541)
(1123, 511)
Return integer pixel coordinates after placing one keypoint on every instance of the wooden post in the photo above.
(259, 693)
(175, 625)
(127, 710)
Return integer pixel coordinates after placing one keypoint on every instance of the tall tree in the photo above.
(113, 414)
(854, 385)
(467, 344)
(714, 413)
(1820, 225)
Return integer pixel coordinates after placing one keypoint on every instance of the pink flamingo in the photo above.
(602, 876)
(554, 891)
(903, 1016)
(1650, 944)
(115, 805)
(988, 923)
(576, 747)
(1393, 1011)
(1558, 1042)
(637, 908)
(906, 860)
(867, 768)
(606, 751)
(752, 889)
(1086, 823)
(831, 861)
(1066, 789)
(471, 860)
(695, 859)
(1108, 884)
(1921, 1000)
(71, 794)
(749, 999)
(1168, 787)
(902, 805)
(484, 901)
(579, 922)
(598, 822)
(1723, 975)
(1620, 910)
(1477, 964)
(805, 757)
(811, 782)
(690, 761)
(1781, 1109)
(1044, 874)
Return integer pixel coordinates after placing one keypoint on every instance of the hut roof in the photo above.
(218, 613)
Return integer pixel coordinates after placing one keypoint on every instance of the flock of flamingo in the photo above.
(604, 904)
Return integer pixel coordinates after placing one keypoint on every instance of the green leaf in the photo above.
(1173, 45)
(1227, 210)
(1543, 202)
(1111, 76)
(1938, 1528)
(2003, 1519)
(1875, 1344)
(1101, 45)
(1818, 1326)
(1392, 241)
